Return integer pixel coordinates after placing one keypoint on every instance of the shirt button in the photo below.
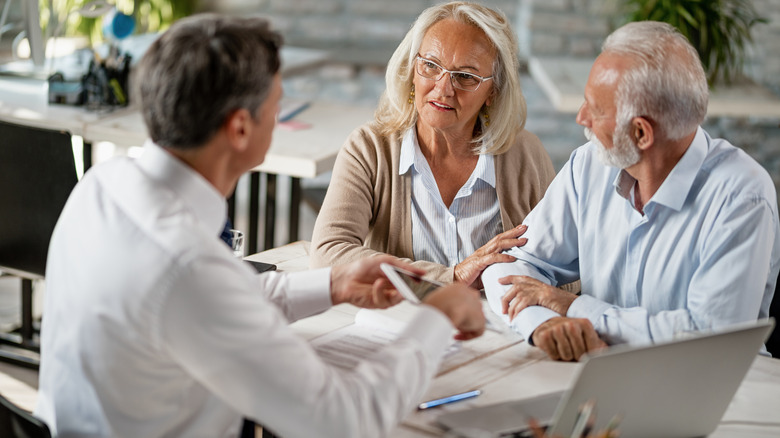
(452, 219)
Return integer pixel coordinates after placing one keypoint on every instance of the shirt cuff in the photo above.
(432, 329)
(309, 292)
(588, 307)
(529, 319)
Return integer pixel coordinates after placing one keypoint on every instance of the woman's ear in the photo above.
(491, 95)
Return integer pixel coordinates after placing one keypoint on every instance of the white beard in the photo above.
(623, 154)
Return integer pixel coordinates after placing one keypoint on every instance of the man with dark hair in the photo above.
(669, 229)
(153, 328)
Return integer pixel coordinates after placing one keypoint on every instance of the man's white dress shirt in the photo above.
(705, 254)
(153, 328)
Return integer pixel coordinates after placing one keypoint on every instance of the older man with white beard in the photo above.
(669, 230)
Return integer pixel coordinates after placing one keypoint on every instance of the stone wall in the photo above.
(758, 136)
(764, 65)
(578, 27)
(360, 31)
(367, 31)
(562, 27)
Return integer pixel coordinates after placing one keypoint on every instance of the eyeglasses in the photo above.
(460, 79)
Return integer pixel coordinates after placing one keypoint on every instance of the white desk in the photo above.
(25, 100)
(298, 154)
(516, 371)
(303, 153)
(564, 79)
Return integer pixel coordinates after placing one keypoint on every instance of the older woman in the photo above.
(446, 166)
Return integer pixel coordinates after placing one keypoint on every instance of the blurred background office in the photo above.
(558, 40)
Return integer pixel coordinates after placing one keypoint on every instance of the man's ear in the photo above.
(237, 129)
(642, 133)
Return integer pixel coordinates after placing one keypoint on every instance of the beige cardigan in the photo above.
(367, 207)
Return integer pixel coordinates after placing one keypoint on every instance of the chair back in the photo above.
(773, 343)
(37, 174)
(15, 422)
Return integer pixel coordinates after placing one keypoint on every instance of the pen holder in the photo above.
(106, 82)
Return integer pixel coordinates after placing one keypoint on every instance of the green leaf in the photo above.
(687, 16)
(718, 29)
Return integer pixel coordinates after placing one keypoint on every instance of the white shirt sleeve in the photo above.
(297, 294)
(236, 343)
(550, 256)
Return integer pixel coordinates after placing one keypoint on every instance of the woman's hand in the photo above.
(469, 270)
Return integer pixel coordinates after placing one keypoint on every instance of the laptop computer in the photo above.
(679, 388)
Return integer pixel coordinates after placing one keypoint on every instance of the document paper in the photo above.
(345, 347)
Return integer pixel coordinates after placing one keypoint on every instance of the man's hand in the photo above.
(462, 306)
(469, 270)
(363, 283)
(567, 338)
(527, 291)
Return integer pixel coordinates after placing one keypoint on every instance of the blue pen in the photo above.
(449, 399)
(293, 112)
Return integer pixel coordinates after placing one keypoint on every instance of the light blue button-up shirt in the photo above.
(448, 235)
(705, 254)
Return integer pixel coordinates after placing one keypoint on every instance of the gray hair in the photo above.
(508, 110)
(200, 71)
(667, 83)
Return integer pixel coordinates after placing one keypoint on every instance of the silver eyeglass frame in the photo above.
(444, 70)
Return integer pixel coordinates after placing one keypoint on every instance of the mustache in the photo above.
(588, 134)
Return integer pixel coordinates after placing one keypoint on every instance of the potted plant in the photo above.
(149, 15)
(718, 29)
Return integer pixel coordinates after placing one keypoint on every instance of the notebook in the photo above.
(679, 388)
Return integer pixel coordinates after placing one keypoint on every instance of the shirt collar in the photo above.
(411, 154)
(408, 146)
(486, 170)
(197, 194)
(623, 184)
(675, 188)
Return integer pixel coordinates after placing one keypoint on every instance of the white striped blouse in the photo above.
(442, 235)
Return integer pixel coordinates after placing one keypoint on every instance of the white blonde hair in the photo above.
(508, 110)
